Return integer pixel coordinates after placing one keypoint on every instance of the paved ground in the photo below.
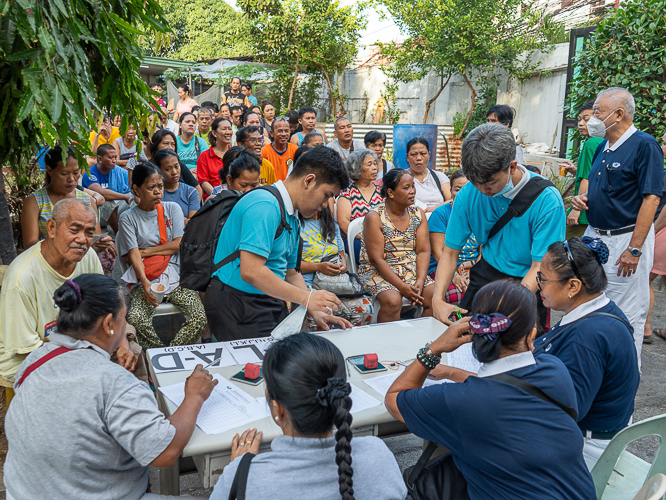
(650, 401)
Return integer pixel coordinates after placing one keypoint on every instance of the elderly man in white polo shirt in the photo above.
(625, 185)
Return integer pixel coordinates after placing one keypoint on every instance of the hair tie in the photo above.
(335, 388)
(486, 341)
(76, 288)
(598, 246)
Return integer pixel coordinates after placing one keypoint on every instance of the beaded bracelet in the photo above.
(427, 358)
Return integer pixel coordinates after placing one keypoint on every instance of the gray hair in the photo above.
(488, 149)
(620, 98)
(355, 161)
(62, 209)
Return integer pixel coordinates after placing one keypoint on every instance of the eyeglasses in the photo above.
(254, 141)
(540, 281)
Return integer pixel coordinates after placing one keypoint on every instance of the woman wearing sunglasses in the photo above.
(593, 339)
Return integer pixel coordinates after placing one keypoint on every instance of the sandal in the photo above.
(661, 333)
(649, 339)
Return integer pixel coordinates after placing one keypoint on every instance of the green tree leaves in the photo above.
(628, 49)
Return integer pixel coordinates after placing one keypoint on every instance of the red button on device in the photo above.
(252, 371)
(370, 361)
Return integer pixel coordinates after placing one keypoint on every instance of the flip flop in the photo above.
(648, 340)
(661, 333)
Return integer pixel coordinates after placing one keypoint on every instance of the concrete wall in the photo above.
(538, 102)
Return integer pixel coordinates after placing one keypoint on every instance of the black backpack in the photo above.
(199, 243)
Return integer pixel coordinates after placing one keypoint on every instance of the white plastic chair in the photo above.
(619, 474)
(355, 228)
(654, 489)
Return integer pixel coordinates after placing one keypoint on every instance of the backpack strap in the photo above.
(568, 327)
(534, 391)
(197, 146)
(522, 202)
(421, 463)
(385, 167)
(283, 225)
(239, 485)
(437, 182)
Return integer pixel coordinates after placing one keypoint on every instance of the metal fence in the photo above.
(360, 129)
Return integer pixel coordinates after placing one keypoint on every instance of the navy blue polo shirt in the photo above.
(620, 179)
(600, 355)
(508, 444)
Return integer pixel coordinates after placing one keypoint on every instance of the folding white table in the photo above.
(397, 341)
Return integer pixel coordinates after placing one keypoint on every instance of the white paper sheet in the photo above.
(187, 357)
(404, 323)
(381, 384)
(361, 400)
(227, 407)
(249, 350)
(464, 359)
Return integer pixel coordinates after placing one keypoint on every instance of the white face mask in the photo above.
(597, 127)
(507, 188)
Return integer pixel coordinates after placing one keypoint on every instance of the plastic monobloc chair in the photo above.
(654, 489)
(619, 474)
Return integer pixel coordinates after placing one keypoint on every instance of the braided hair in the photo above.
(316, 399)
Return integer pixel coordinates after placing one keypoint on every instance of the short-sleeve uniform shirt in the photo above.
(251, 227)
(601, 358)
(523, 240)
(104, 427)
(438, 222)
(504, 440)
(280, 161)
(621, 176)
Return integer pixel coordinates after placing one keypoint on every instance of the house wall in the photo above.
(538, 102)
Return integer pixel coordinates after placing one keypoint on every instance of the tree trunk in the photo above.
(330, 90)
(471, 110)
(7, 249)
(429, 103)
(293, 84)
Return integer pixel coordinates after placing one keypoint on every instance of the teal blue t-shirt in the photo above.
(188, 152)
(251, 227)
(523, 240)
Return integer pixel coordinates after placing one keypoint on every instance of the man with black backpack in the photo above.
(257, 256)
(515, 214)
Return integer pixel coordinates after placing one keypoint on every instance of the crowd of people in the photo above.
(488, 250)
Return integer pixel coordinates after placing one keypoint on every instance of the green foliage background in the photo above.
(628, 50)
(201, 30)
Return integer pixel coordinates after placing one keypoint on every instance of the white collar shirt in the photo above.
(584, 309)
(507, 364)
(623, 138)
(288, 204)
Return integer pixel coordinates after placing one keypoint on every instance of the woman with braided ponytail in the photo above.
(308, 395)
(511, 430)
(594, 339)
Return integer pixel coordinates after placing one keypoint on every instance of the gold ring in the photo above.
(248, 442)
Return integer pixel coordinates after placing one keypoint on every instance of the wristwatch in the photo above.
(635, 251)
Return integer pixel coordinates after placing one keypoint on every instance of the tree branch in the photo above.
(471, 110)
(441, 87)
(293, 84)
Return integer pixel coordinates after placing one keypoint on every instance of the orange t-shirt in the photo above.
(280, 162)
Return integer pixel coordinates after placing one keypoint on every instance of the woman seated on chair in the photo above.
(149, 240)
(104, 423)
(361, 196)
(396, 250)
(593, 339)
(324, 254)
(317, 458)
(240, 171)
(505, 442)
(438, 222)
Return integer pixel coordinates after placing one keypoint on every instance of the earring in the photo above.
(570, 297)
(277, 419)
(112, 332)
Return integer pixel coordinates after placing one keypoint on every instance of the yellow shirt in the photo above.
(267, 175)
(27, 311)
(115, 134)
